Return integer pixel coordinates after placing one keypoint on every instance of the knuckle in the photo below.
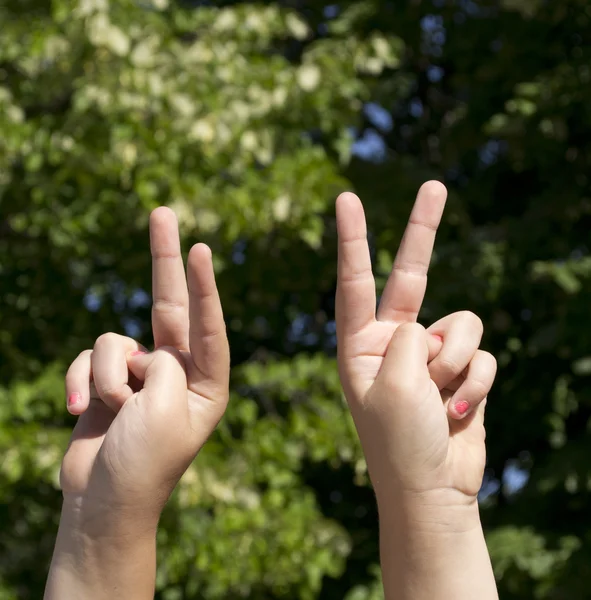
(169, 357)
(491, 360)
(167, 353)
(480, 388)
(410, 329)
(106, 339)
(472, 319)
(448, 366)
(76, 363)
(166, 305)
(107, 391)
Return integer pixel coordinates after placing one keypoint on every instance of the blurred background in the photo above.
(248, 119)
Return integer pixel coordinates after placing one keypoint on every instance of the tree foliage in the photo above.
(248, 119)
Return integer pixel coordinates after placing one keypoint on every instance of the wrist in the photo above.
(93, 522)
(432, 547)
(92, 545)
(444, 511)
(115, 560)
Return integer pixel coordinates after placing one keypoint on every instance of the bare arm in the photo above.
(434, 550)
(101, 561)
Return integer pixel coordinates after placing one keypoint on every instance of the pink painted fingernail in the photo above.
(138, 353)
(462, 407)
(74, 398)
(435, 335)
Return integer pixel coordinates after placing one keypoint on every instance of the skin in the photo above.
(417, 398)
(143, 419)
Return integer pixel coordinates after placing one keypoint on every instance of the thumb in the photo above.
(435, 344)
(404, 370)
(162, 374)
(401, 419)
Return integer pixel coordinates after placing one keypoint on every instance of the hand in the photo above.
(144, 416)
(417, 397)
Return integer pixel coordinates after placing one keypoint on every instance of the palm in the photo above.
(87, 439)
(370, 348)
(466, 456)
(188, 320)
(460, 443)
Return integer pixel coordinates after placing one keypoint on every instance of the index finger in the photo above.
(405, 289)
(356, 293)
(170, 304)
(109, 369)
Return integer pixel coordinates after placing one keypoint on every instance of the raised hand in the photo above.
(144, 416)
(417, 396)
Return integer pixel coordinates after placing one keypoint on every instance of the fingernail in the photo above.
(74, 398)
(438, 337)
(138, 353)
(462, 407)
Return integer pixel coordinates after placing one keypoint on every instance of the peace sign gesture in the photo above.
(144, 416)
(417, 397)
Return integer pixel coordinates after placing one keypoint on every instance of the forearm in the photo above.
(432, 553)
(112, 564)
